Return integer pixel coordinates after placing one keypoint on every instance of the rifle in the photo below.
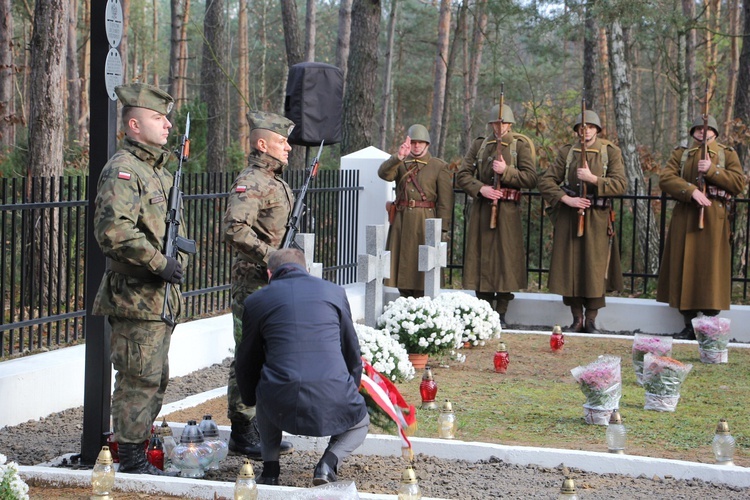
(292, 225)
(173, 242)
(495, 177)
(582, 184)
(704, 155)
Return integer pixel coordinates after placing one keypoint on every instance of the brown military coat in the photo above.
(495, 260)
(408, 229)
(696, 269)
(578, 264)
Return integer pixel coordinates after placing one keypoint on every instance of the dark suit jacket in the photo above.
(299, 357)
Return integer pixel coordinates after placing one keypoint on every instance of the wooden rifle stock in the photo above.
(582, 184)
(495, 177)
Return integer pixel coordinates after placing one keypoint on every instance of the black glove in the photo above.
(173, 272)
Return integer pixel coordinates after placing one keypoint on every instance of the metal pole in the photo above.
(102, 129)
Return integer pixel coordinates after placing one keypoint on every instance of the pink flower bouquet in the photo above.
(662, 378)
(712, 333)
(644, 344)
(601, 383)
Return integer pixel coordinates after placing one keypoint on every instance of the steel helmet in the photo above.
(419, 132)
(698, 122)
(507, 114)
(591, 119)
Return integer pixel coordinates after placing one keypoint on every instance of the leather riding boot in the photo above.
(270, 474)
(687, 333)
(577, 326)
(590, 326)
(133, 461)
(245, 440)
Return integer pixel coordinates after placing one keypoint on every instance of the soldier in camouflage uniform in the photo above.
(130, 225)
(258, 209)
(495, 261)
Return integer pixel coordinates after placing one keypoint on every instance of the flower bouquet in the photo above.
(11, 484)
(712, 333)
(643, 344)
(385, 354)
(479, 322)
(662, 378)
(421, 325)
(601, 383)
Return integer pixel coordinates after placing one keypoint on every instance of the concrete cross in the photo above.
(433, 257)
(306, 243)
(372, 268)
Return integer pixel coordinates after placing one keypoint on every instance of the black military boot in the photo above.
(687, 333)
(133, 461)
(245, 440)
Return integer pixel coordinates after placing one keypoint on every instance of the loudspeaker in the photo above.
(314, 93)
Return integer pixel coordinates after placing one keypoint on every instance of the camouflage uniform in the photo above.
(254, 224)
(129, 225)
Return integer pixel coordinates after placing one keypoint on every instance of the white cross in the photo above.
(433, 256)
(372, 268)
(306, 243)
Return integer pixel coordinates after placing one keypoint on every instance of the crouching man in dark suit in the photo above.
(299, 360)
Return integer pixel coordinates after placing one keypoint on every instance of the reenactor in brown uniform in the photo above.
(424, 190)
(254, 224)
(696, 272)
(583, 268)
(495, 261)
(130, 225)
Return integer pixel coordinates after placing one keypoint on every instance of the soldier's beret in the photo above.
(143, 95)
(270, 121)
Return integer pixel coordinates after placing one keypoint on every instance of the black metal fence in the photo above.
(42, 252)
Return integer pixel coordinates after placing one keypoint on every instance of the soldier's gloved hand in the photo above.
(173, 271)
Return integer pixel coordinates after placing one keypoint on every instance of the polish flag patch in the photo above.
(241, 189)
(123, 175)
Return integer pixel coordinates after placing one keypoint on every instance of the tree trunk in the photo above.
(310, 30)
(647, 234)
(47, 133)
(453, 54)
(387, 80)
(124, 43)
(179, 11)
(441, 68)
(590, 56)
(243, 82)
(155, 38)
(472, 78)
(359, 100)
(605, 97)
(291, 32)
(74, 81)
(213, 86)
(683, 89)
(742, 94)
(734, 66)
(85, 63)
(344, 36)
(7, 77)
(691, 41)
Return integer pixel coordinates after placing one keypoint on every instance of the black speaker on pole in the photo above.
(314, 102)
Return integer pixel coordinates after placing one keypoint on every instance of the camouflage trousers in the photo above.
(250, 278)
(139, 352)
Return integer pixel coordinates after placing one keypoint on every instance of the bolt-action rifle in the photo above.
(496, 178)
(173, 242)
(292, 225)
(581, 183)
(704, 156)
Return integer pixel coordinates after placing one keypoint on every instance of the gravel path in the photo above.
(40, 441)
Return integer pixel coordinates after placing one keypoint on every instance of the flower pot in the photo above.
(661, 403)
(714, 356)
(418, 361)
(596, 417)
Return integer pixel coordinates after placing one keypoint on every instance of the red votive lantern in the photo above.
(428, 389)
(155, 453)
(557, 340)
(501, 359)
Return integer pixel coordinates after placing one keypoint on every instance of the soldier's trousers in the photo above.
(139, 352)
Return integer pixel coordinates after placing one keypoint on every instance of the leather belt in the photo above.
(139, 272)
(415, 204)
(601, 202)
(714, 192)
(508, 194)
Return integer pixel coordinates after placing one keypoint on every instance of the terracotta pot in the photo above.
(419, 361)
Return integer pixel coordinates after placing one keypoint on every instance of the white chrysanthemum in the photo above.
(384, 353)
(477, 321)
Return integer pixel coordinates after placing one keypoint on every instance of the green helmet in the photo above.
(419, 132)
(507, 114)
(591, 119)
(698, 122)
